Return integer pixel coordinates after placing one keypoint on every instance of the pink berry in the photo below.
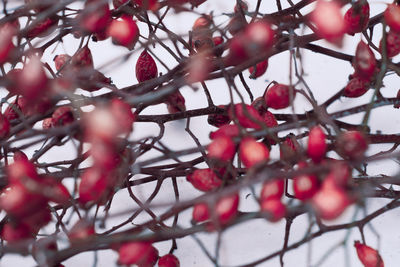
(357, 17)
(134, 253)
(226, 130)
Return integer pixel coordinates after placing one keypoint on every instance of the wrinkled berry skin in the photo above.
(392, 44)
(392, 17)
(146, 68)
(356, 87)
(357, 17)
(204, 180)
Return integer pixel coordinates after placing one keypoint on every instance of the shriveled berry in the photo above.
(60, 61)
(62, 116)
(356, 87)
(352, 144)
(270, 120)
(42, 28)
(175, 103)
(357, 17)
(4, 126)
(82, 230)
(204, 180)
(392, 44)
(47, 123)
(364, 61)
(146, 67)
(252, 152)
(219, 119)
(278, 96)
(82, 58)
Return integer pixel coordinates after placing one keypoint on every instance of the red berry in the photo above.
(19, 155)
(204, 180)
(305, 186)
(278, 96)
(272, 189)
(168, 260)
(134, 253)
(368, 256)
(95, 16)
(32, 81)
(218, 41)
(364, 61)
(42, 28)
(352, 144)
(252, 152)
(82, 230)
(60, 61)
(202, 22)
(200, 212)
(275, 209)
(55, 191)
(247, 116)
(222, 148)
(6, 44)
(356, 87)
(4, 126)
(329, 21)
(226, 130)
(14, 233)
(316, 144)
(123, 114)
(392, 17)
(93, 186)
(357, 17)
(392, 44)
(227, 208)
(259, 70)
(330, 201)
(146, 67)
(47, 123)
(21, 171)
(124, 32)
(270, 120)
(62, 116)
